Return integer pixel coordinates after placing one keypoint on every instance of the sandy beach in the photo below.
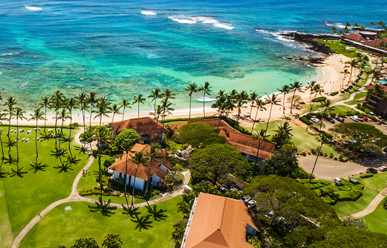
(331, 81)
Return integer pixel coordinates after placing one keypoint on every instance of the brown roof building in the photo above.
(127, 169)
(377, 104)
(145, 126)
(355, 37)
(218, 222)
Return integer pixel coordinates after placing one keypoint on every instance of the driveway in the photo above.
(329, 169)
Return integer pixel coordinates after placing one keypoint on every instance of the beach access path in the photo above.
(75, 197)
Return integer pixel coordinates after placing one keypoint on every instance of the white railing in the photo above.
(189, 223)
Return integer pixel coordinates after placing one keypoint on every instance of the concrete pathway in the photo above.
(372, 206)
(75, 197)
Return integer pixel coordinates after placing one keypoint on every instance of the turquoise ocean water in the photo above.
(121, 48)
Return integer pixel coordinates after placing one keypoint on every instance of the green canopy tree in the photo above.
(127, 138)
(197, 134)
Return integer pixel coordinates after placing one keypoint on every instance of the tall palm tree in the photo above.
(138, 99)
(323, 138)
(153, 155)
(283, 133)
(254, 97)
(71, 104)
(191, 88)
(353, 65)
(57, 103)
(155, 94)
(334, 30)
(102, 136)
(241, 99)
(126, 146)
(63, 116)
(345, 72)
(310, 86)
(260, 105)
(10, 104)
(19, 114)
(37, 115)
(259, 136)
(327, 106)
(115, 110)
(102, 109)
(207, 89)
(371, 24)
(273, 100)
(138, 158)
(221, 105)
(92, 98)
(284, 90)
(82, 100)
(166, 108)
(157, 114)
(45, 104)
(294, 87)
(124, 104)
(168, 94)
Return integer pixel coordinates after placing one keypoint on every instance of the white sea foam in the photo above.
(8, 54)
(337, 25)
(148, 12)
(33, 8)
(200, 19)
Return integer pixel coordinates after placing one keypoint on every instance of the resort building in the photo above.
(149, 129)
(366, 39)
(375, 103)
(217, 221)
(253, 150)
(127, 169)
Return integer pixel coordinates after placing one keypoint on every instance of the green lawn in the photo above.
(357, 96)
(6, 237)
(28, 193)
(377, 220)
(83, 221)
(372, 187)
(338, 47)
(342, 110)
(301, 138)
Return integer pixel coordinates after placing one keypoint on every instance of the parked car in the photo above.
(354, 118)
(330, 120)
(337, 181)
(372, 170)
(339, 118)
(251, 203)
(313, 119)
(246, 198)
(383, 168)
(363, 117)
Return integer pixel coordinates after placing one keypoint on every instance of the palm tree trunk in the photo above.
(2, 148)
(45, 118)
(204, 101)
(9, 138)
(256, 114)
(154, 133)
(71, 121)
(91, 111)
(123, 114)
(147, 184)
(291, 104)
(138, 109)
(36, 142)
(17, 142)
(315, 162)
(283, 105)
(134, 184)
(190, 99)
(268, 120)
(56, 122)
(126, 175)
(84, 123)
(99, 154)
(237, 118)
(61, 133)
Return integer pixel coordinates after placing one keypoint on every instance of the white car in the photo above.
(354, 118)
(314, 119)
(383, 168)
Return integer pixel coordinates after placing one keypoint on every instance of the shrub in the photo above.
(331, 155)
(366, 175)
(108, 162)
(333, 115)
(319, 99)
(334, 93)
(305, 120)
(303, 153)
(384, 202)
(302, 102)
(313, 151)
(329, 200)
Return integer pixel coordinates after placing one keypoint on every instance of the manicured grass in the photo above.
(341, 110)
(5, 226)
(301, 138)
(377, 220)
(83, 221)
(338, 47)
(357, 96)
(30, 192)
(122, 200)
(372, 187)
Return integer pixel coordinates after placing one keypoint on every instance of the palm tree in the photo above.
(102, 109)
(153, 154)
(37, 115)
(10, 103)
(327, 105)
(166, 108)
(206, 88)
(353, 64)
(46, 104)
(138, 158)
(82, 99)
(310, 86)
(273, 100)
(191, 88)
(254, 97)
(221, 105)
(126, 146)
(334, 30)
(168, 94)
(124, 104)
(102, 136)
(283, 133)
(155, 94)
(63, 116)
(284, 90)
(91, 100)
(19, 114)
(259, 136)
(56, 103)
(138, 99)
(115, 110)
(260, 105)
(323, 138)
(294, 87)
(371, 24)
(157, 115)
(71, 104)
(241, 99)
(345, 72)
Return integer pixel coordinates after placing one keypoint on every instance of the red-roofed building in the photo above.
(126, 169)
(149, 129)
(355, 37)
(218, 222)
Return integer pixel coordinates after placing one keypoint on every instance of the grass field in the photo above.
(153, 230)
(372, 187)
(301, 138)
(357, 97)
(377, 220)
(337, 47)
(26, 193)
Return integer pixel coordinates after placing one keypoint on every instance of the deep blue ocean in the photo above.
(122, 48)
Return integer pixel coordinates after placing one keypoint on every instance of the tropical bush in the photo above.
(319, 99)
(367, 175)
(334, 93)
(305, 120)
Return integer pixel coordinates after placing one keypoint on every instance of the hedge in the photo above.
(366, 175)
(334, 93)
(319, 99)
(306, 120)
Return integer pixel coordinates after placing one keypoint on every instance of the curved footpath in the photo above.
(75, 197)
(373, 205)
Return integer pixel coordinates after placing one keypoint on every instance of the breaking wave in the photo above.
(32, 8)
(200, 19)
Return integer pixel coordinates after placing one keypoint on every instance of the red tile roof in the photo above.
(371, 86)
(246, 144)
(355, 37)
(143, 126)
(219, 222)
(143, 169)
(375, 43)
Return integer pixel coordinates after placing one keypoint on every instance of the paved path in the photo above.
(75, 197)
(329, 169)
(372, 206)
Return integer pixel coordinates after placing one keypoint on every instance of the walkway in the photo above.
(373, 205)
(75, 197)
